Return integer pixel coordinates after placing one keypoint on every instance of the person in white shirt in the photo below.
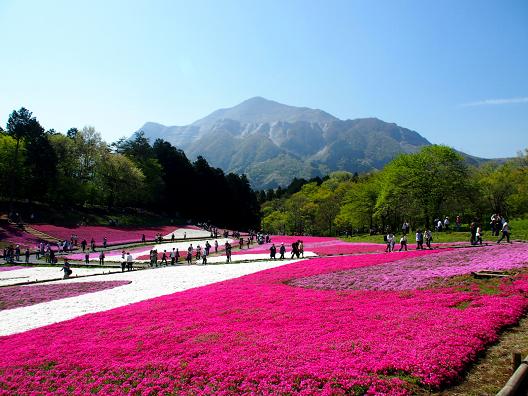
(505, 232)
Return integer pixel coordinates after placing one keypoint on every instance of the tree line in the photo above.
(79, 169)
(420, 187)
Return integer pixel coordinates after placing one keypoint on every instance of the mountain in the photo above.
(273, 143)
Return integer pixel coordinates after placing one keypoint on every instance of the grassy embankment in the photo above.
(519, 230)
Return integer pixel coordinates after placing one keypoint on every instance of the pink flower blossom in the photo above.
(259, 335)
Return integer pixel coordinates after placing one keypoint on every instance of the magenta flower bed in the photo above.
(15, 236)
(420, 272)
(22, 296)
(257, 334)
(114, 235)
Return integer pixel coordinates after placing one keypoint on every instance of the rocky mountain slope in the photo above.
(273, 143)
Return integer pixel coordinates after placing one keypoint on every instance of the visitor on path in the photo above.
(419, 239)
(130, 262)
(204, 257)
(390, 243)
(87, 258)
(173, 237)
(446, 223)
(92, 244)
(143, 238)
(27, 255)
(67, 270)
(403, 243)
(198, 253)
(428, 238)
(505, 233)
(83, 244)
(123, 264)
(105, 242)
(101, 258)
(473, 232)
(52, 258)
(282, 251)
(185, 235)
(294, 249)
(17, 253)
(405, 228)
(248, 242)
(207, 247)
(458, 223)
(216, 246)
(164, 258)
(478, 236)
(189, 254)
(228, 252)
(177, 255)
(173, 256)
(241, 243)
(273, 252)
(301, 248)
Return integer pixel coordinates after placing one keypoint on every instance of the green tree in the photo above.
(431, 183)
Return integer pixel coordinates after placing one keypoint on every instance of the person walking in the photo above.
(505, 232)
(273, 252)
(390, 241)
(428, 238)
(27, 255)
(419, 239)
(204, 257)
(189, 254)
(101, 258)
(173, 256)
(282, 251)
(403, 243)
(130, 262)
(164, 258)
(228, 252)
(216, 246)
(478, 235)
(87, 258)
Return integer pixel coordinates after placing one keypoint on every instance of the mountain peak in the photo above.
(260, 110)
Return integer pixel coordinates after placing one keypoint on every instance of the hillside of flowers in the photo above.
(114, 235)
(22, 296)
(260, 334)
(13, 235)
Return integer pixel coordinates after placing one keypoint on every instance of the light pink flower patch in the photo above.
(11, 268)
(22, 296)
(258, 335)
(421, 271)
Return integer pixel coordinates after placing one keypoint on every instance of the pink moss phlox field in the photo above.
(114, 235)
(257, 334)
(22, 296)
(421, 271)
(13, 235)
(11, 268)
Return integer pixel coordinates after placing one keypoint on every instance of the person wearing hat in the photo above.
(282, 251)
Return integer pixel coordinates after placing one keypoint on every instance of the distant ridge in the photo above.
(273, 143)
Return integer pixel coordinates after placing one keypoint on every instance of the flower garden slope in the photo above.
(256, 334)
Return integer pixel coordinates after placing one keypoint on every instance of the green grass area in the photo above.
(519, 229)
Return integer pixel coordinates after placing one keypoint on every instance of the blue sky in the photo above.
(455, 71)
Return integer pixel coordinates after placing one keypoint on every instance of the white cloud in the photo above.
(487, 102)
